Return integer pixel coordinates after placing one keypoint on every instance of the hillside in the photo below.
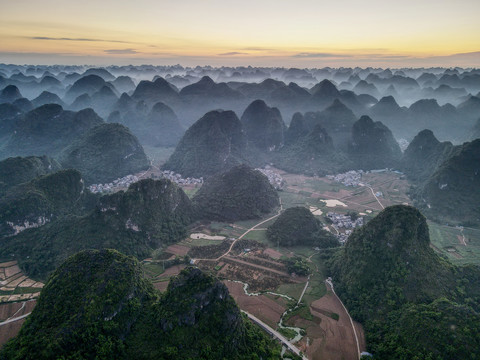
(17, 170)
(423, 156)
(391, 280)
(105, 153)
(452, 192)
(312, 154)
(439, 330)
(48, 129)
(213, 144)
(95, 296)
(197, 319)
(337, 120)
(42, 200)
(373, 146)
(263, 126)
(148, 215)
(104, 308)
(240, 193)
(388, 262)
(156, 127)
(298, 226)
(474, 133)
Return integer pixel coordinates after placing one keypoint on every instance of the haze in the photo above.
(304, 33)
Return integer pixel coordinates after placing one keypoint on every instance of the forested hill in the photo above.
(98, 305)
(390, 278)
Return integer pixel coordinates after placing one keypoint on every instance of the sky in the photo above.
(290, 33)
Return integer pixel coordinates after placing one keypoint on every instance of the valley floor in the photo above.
(250, 265)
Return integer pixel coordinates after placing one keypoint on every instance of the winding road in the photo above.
(276, 334)
(241, 236)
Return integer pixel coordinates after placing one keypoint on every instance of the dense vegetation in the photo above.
(47, 130)
(105, 153)
(451, 192)
(312, 153)
(17, 170)
(197, 319)
(424, 155)
(98, 305)
(44, 199)
(156, 127)
(373, 146)
(85, 310)
(149, 214)
(240, 193)
(215, 143)
(390, 278)
(263, 126)
(298, 226)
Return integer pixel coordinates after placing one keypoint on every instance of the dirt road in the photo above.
(276, 334)
(245, 233)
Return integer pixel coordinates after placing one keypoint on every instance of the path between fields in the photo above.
(279, 336)
(329, 282)
(14, 319)
(246, 263)
(304, 289)
(332, 197)
(463, 237)
(245, 233)
(376, 198)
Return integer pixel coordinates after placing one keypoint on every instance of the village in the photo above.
(126, 181)
(346, 222)
(275, 178)
(179, 180)
(116, 184)
(350, 178)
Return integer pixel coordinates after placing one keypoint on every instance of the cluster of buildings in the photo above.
(123, 182)
(275, 178)
(350, 178)
(178, 179)
(342, 221)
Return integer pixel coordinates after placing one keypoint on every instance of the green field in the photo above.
(290, 199)
(201, 242)
(321, 186)
(316, 289)
(258, 235)
(190, 192)
(153, 269)
(445, 239)
(20, 290)
(292, 290)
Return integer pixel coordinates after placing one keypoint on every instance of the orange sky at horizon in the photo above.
(304, 33)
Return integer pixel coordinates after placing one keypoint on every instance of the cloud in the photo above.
(232, 53)
(121, 51)
(320, 55)
(257, 49)
(75, 39)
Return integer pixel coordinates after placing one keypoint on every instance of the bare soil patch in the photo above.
(10, 310)
(10, 330)
(337, 340)
(161, 285)
(260, 306)
(274, 254)
(179, 250)
(12, 270)
(172, 271)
